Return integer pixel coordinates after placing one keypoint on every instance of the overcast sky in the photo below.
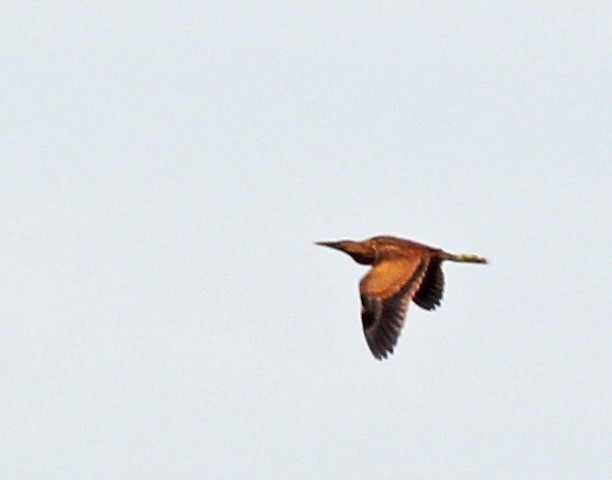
(165, 168)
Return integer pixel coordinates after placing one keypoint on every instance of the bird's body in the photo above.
(401, 271)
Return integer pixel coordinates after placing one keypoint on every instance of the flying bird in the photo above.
(401, 271)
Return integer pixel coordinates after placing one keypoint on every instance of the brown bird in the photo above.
(401, 271)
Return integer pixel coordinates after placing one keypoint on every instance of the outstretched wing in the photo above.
(385, 293)
(429, 295)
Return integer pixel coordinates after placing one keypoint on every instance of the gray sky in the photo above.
(164, 170)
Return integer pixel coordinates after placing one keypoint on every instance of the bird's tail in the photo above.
(466, 258)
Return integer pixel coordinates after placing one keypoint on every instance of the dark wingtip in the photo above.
(382, 354)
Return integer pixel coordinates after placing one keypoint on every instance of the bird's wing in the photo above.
(385, 293)
(429, 295)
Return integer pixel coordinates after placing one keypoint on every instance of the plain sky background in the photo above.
(164, 170)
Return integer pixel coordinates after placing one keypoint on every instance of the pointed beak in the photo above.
(361, 253)
(335, 245)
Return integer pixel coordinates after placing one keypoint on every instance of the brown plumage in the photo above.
(401, 271)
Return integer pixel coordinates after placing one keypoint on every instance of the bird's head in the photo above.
(362, 252)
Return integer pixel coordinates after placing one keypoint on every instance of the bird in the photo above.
(402, 270)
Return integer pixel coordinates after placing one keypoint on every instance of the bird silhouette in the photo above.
(401, 271)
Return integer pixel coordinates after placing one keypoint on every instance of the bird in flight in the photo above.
(401, 271)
